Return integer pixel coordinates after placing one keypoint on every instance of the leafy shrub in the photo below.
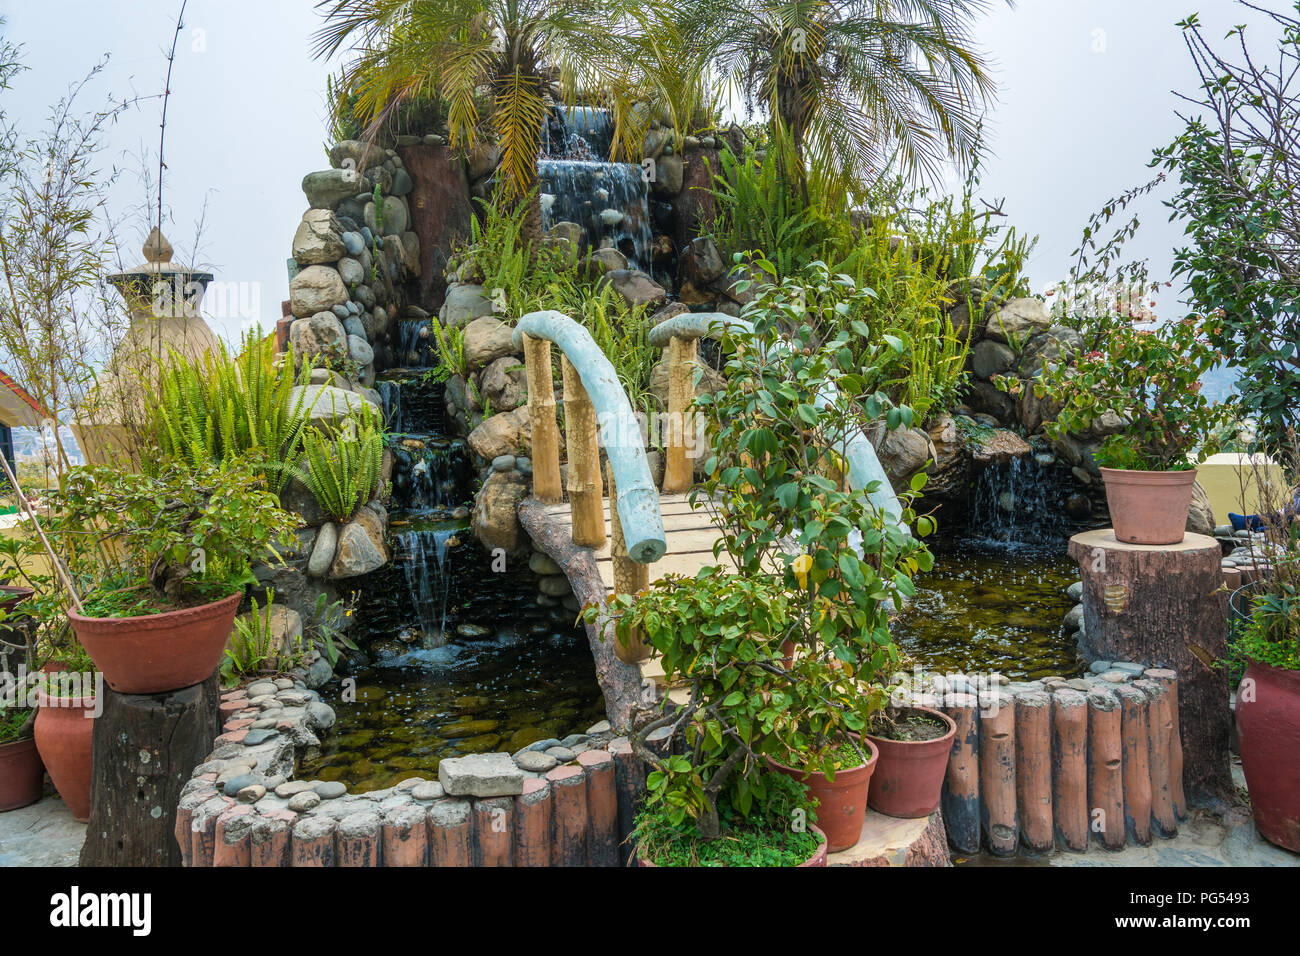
(252, 647)
(342, 469)
(223, 407)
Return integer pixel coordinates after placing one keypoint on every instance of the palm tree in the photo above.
(502, 58)
(853, 86)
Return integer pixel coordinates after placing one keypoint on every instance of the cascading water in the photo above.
(610, 202)
(1017, 504)
(422, 553)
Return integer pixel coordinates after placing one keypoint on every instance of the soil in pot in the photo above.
(1268, 735)
(767, 848)
(156, 653)
(1149, 507)
(914, 751)
(842, 802)
(63, 737)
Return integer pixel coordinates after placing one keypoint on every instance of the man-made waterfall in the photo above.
(423, 557)
(580, 132)
(609, 201)
(1018, 504)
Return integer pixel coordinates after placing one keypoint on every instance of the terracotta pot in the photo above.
(1149, 507)
(842, 802)
(22, 774)
(63, 737)
(158, 652)
(817, 859)
(909, 780)
(1268, 736)
(11, 596)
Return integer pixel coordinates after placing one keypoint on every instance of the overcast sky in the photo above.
(1085, 94)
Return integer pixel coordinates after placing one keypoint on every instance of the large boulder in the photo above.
(990, 358)
(504, 384)
(319, 336)
(1000, 445)
(601, 261)
(1053, 346)
(702, 262)
(988, 398)
(669, 175)
(1018, 320)
(355, 154)
(329, 187)
(319, 238)
(315, 289)
(326, 405)
(486, 340)
(464, 304)
(949, 472)
(1200, 518)
(509, 433)
(396, 217)
(635, 287)
(495, 520)
(362, 548)
(902, 451)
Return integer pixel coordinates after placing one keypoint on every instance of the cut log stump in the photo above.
(145, 749)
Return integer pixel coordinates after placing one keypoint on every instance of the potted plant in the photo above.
(22, 774)
(717, 802)
(165, 556)
(1267, 642)
(1145, 388)
(914, 744)
(787, 507)
(65, 722)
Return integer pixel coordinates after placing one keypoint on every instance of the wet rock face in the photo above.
(495, 519)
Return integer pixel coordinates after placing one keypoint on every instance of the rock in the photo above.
(990, 358)
(319, 336)
(495, 519)
(359, 350)
(481, 775)
(482, 159)
(362, 548)
(353, 243)
(1018, 320)
(329, 187)
(556, 585)
(503, 463)
(315, 289)
(402, 183)
(355, 154)
(601, 261)
(397, 219)
(463, 304)
(949, 471)
(1053, 346)
(1001, 446)
(600, 727)
(427, 790)
(322, 554)
(304, 801)
(535, 762)
(350, 271)
(987, 397)
(486, 340)
(902, 451)
(1200, 518)
(669, 176)
(319, 673)
(504, 384)
(318, 239)
(1073, 617)
(1075, 591)
(1031, 410)
(509, 433)
(541, 564)
(331, 790)
(327, 406)
(702, 262)
(635, 287)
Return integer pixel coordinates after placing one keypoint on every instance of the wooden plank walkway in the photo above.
(689, 534)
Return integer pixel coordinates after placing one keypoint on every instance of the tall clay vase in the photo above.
(909, 781)
(63, 737)
(1149, 507)
(1268, 736)
(156, 653)
(22, 775)
(842, 802)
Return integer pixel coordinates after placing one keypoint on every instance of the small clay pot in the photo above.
(22, 775)
(156, 653)
(63, 737)
(909, 780)
(842, 802)
(817, 859)
(1149, 507)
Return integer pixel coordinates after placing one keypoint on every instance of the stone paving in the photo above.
(43, 834)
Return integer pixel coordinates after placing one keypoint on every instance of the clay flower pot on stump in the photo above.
(909, 781)
(156, 653)
(842, 802)
(63, 736)
(1268, 736)
(817, 859)
(22, 775)
(1149, 507)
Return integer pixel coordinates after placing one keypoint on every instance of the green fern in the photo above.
(342, 470)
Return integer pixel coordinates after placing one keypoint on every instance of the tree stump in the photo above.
(145, 749)
(1164, 606)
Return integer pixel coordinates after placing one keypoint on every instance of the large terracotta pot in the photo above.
(1268, 736)
(1149, 507)
(12, 595)
(817, 859)
(22, 774)
(63, 737)
(158, 652)
(842, 802)
(909, 780)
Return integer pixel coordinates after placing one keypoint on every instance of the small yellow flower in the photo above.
(801, 566)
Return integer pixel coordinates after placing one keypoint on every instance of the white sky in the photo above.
(1085, 96)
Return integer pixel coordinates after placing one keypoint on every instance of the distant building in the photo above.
(17, 410)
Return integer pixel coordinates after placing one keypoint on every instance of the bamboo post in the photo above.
(678, 467)
(629, 577)
(582, 442)
(541, 413)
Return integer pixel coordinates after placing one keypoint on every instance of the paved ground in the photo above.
(43, 834)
